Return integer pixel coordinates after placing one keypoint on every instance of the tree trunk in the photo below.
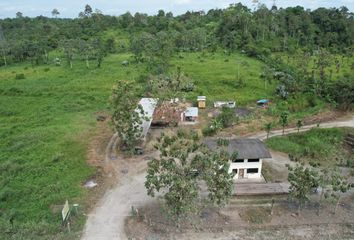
(5, 62)
(87, 62)
(320, 202)
(336, 207)
(283, 130)
(46, 56)
(271, 208)
(299, 208)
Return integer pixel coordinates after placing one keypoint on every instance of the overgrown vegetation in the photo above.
(318, 146)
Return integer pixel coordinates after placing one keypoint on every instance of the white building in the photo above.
(148, 105)
(190, 115)
(228, 104)
(246, 156)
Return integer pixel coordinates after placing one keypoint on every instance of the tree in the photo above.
(88, 10)
(268, 128)
(128, 115)
(177, 172)
(299, 124)
(283, 120)
(3, 46)
(86, 51)
(19, 15)
(70, 49)
(55, 13)
(335, 185)
(99, 51)
(302, 181)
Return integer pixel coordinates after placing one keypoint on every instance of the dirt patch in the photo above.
(105, 175)
(327, 116)
(245, 220)
(256, 215)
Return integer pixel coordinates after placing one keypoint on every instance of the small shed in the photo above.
(263, 103)
(191, 114)
(228, 104)
(201, 101)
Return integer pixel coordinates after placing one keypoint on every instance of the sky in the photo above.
(71, 8)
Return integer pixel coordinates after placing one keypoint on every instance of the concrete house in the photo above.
(247, 164)
(190, 115)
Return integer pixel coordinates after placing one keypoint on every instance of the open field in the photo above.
(226, 77)
(46, 122)
(48, 118)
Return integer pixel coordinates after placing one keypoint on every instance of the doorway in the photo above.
(241, 173)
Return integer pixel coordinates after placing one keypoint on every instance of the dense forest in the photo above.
(260, 33)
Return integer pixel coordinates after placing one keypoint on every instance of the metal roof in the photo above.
(263, 101)
(247, 148)
(201, 98)
(191, 112)
(148, 105)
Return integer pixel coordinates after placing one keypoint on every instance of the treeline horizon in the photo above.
(258, 31)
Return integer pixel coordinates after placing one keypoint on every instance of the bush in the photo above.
(20, 76)
(227, 117)
(350, 163)
(46, 69)
(208, 131)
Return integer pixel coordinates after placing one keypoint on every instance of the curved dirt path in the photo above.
(106, 221)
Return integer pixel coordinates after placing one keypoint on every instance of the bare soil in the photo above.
(249, 221)
(126, 176)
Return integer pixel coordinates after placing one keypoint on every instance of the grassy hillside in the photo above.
(225, 77)
(45, 121)
(320, 146)
(47, 118)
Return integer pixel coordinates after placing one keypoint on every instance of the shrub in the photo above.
(227, 117)
(350, 163)
(20, 76)
(46, 69)
(208, 131)
(223, 142)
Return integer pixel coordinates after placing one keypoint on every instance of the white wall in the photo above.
(245, 165)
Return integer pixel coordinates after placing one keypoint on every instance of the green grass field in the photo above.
(217, 77)
(321, 146)
(47, 119)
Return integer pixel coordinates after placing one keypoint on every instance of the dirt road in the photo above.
(106, 221)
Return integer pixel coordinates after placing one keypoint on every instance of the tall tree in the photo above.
(177, 172)
(3, 46)
(283, 120)
(302, 181)
(70, 49)
(268, 128)
(128, 115)
(299, 125)
(55, 13)
(19, 15)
